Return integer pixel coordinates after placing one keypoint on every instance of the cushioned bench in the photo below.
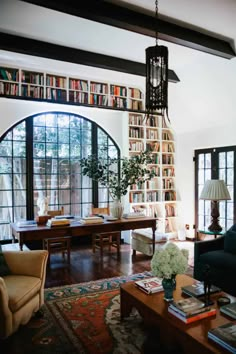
(142, 240)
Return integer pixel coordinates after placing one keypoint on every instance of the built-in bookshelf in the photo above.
(60, 88)
(156, 197)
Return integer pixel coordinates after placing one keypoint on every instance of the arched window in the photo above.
(40, 157)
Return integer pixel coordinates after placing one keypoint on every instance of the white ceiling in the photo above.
(207, 85)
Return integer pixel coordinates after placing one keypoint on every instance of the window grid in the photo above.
(217, 163)
(59, 141)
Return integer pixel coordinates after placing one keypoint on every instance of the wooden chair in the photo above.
(57, 244)
(110, 239)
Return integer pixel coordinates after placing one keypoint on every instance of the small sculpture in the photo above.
(42, 204)
(207, 286)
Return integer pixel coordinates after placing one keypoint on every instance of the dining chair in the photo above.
(60, 243)
(101, 240)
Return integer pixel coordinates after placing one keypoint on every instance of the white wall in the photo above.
(224, 135)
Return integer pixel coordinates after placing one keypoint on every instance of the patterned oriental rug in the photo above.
(82, 318)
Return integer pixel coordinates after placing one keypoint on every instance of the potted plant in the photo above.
(166, 263)
(118, 174)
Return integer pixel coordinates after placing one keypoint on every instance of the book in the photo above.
(134, 215)
(197, 289)
(229, 309)
(150, 285)
(224, 335)
(206, 312)
(26, 223)
(189, 305)
(91, 220)
(58, 222)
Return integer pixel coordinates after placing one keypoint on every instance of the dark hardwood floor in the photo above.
(86, 265)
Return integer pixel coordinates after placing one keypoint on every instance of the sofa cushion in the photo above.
(21, 289)
(230, 241)
(219, 259)
(4, 269)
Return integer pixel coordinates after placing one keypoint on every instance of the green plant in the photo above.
(117, 174)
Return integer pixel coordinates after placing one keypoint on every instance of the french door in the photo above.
(215, 163)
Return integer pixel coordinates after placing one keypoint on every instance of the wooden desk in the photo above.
(23, 234)
(154, 311)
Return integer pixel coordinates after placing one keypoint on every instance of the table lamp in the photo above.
(215, 190)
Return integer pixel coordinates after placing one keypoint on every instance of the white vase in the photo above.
(117, 209)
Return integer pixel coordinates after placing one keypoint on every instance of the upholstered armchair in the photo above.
(22, 291)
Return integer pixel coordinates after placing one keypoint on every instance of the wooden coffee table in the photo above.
(154, 311)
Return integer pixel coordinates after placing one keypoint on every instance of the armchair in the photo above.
(21, 292)
(220, 255)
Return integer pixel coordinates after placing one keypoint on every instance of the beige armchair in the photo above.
(21, 292)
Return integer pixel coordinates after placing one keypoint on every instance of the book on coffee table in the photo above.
(197, 289)
(229, 309)
(194, 316)
(188, 306)
(225, 335)
(150, 285)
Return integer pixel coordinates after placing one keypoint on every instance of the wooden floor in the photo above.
(86, 265)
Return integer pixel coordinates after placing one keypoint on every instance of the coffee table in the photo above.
(154, 310)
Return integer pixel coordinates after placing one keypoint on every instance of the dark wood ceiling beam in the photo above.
(128, 19)
(37, 48)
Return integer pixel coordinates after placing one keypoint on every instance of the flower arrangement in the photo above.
(169, 261)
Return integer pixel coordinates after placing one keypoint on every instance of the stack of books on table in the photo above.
(91, 220)
(150, 285)
(134, 215)
(229, 309)
(197, 289)
(225, 336)
(190, 310)
(58, 222)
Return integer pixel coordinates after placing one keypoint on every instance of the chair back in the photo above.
(105, 211)
(56, 212)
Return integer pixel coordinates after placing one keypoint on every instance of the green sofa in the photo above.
(220, 255)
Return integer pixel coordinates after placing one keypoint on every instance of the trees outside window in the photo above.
(39, 157)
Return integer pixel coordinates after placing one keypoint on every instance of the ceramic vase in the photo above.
(168, 287)
(117, 209)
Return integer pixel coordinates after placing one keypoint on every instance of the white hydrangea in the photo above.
(169, 261)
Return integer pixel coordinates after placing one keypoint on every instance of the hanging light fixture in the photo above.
(157, 76)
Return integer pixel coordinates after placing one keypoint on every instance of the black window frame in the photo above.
(214, 175)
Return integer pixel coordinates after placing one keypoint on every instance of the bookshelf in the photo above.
(20, 82)
(157, 197)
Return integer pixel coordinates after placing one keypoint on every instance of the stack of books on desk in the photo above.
(134, 215)
(150, 285)
(225, 336)
(190, 310)
(92, 220)
(58, 222)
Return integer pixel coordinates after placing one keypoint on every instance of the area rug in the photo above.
(82, 318)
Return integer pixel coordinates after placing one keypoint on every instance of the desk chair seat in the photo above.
(101, 240)
(57, 244)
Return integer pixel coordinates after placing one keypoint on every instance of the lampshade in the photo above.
(215, 189)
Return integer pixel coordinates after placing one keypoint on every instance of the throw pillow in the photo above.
(230, 242)
(4, 269)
